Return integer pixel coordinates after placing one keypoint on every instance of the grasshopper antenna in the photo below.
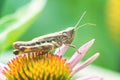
(85, 25)
(80, 19)
(77, 25)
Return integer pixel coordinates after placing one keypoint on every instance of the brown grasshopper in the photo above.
(48, 42)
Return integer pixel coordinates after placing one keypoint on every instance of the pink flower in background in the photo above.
(52, 67)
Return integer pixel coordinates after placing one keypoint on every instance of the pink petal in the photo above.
(77, 56)
(92, 77)
(60, 51)
(2, 77)
(86, 63)
(1, 67)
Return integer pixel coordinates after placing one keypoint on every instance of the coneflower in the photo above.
(34, 66)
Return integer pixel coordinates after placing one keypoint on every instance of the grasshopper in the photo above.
(48, 42)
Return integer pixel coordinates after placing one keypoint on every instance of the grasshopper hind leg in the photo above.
(44, 48)
(17, 52)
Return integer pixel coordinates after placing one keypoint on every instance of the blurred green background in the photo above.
(60, 14)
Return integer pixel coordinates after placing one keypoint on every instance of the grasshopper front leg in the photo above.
(74, 48)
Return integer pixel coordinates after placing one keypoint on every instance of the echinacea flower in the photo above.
(34, 66)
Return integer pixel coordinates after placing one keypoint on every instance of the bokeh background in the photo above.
(60, 14)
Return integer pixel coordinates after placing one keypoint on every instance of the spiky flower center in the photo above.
(38, 67)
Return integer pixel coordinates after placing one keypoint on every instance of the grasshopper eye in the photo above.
(64, 33)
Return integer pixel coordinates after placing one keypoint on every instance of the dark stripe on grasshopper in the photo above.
(45, 47)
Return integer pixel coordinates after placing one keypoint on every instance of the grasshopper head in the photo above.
(68, 35)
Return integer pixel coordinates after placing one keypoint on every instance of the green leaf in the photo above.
(14, 25)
